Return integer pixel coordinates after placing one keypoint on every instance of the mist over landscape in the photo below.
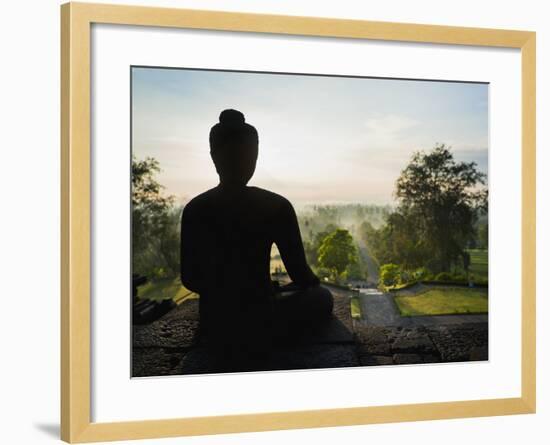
(388, 177)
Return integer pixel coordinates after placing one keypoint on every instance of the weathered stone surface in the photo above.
(155, 361)
(169, 347)
(416, 342)
(398, 344)
(333, 332)
(414, 359)
(407, 359)
(176, 329)
(315, 356)
(341, 309)
(201, 360)
(372, 340)
(479, 353)
(189, 310)
(374, 360)
(459, 342)
(175, 333)
(429, 358)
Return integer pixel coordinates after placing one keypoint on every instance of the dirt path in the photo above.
(372, 266)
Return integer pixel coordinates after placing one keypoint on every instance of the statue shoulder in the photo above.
(199, 203)
(272, 199)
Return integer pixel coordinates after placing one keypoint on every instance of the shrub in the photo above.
(421, 274)
(479, 280)
(159, 273)
(460, 277)
(390, 274)
(356, 271)
(444, 276)
(322, 273)
(405, 277)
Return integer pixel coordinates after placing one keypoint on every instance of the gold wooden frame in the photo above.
(76, 20)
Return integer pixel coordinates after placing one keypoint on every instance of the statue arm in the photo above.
(289, 243)
(190, 271)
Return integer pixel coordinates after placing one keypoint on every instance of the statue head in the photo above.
(234, 148)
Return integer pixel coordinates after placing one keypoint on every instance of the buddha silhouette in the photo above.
(227, 234)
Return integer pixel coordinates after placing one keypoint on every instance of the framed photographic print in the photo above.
(275, 222)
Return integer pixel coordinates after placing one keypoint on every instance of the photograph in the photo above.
(287, 221)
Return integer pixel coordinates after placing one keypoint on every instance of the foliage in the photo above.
(169, 241)
(483, 235)
(479, 262)
(439, 204)
(459, 277)
(312, 247)
(443, 276)
(421, 274)
(161, 289)
(155, 223)
(337, 252)
(479, 280)
(390, 275)
(323, 273)
(315, 219)
(439, 195)
(357, 270)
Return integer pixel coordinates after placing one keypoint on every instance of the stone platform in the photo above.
(169, 346)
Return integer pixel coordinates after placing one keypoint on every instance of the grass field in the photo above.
(444, 301)
(164, 289)
(479, 264)
(276, 263)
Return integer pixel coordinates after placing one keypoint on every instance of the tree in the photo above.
(439, 200)
(398, 241)
(169, 241)
(337, 252)
(154, 222)
(311, 248)
(357, 270)
(483, 235)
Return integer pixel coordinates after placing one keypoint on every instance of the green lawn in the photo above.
(163, 289)
(444, 301)
(479, 264)
(276, 263)
(355, 308)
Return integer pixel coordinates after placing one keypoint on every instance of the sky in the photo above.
(323, 140)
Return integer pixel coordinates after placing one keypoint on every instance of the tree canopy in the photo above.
(337, 252)
(154, 222)
(439, 201)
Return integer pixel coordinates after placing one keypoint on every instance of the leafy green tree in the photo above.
(337, 252)
(311, 248)
(169, 241)
(154, 222)
(439, 201)
(483, 235)
(398, 241)
(357, 270)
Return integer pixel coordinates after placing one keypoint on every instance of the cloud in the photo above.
(383, 130)
(321, 138)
